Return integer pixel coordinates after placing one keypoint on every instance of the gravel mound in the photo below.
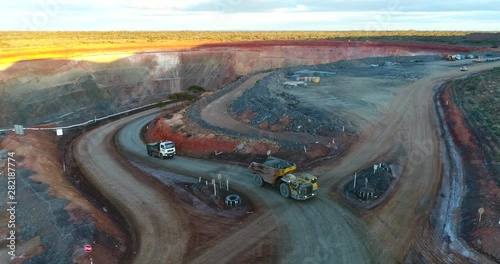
(194, 114)
(370, 181)
(278, 163)
(272, 106)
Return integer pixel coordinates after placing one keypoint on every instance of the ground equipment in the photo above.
(278, 172)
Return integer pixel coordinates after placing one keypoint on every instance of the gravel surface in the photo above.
(194, 113)
(272, 103)
(58, 232)
(272, 106)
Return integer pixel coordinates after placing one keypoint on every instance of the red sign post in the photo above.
(88, 248)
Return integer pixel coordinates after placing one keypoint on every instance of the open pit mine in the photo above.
(252, 152)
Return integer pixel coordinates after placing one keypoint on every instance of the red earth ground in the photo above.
(485, 235)
(199, 142)
(202, 143)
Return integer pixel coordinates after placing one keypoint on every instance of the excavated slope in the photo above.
(70, 91)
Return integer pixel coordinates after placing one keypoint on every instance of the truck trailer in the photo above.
(278, 172)
(161, 149)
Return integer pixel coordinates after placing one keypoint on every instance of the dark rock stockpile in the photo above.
(371, 183)
(273, 107)
(268, 106)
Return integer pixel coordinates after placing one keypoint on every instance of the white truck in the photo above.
(161, 149)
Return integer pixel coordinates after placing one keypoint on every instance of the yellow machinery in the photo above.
(299, 186)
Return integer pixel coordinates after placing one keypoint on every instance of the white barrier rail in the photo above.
(90, 121)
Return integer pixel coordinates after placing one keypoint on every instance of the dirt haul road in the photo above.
(411, 122)
(316, 231)
(319, 230)
(157, 225)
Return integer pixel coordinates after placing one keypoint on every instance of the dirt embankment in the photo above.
(55, 220)
(195, 141)
(483, 192)
(196, 135)
(82, 87)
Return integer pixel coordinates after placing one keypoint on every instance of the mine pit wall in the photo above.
(73, 91)
(34, 92)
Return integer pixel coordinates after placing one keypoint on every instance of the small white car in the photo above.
(463, 68)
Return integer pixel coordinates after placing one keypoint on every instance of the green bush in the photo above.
(196, 89)
(181, 97)
(161, 105)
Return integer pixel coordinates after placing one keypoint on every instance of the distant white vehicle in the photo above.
(463, 68)
(295, 83)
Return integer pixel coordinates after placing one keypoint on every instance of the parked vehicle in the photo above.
(463, 68)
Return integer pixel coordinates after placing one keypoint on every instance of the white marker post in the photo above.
(219, 176)
(227, 185)
(215, 188)
(355, 176)
(199, 179)
(480, 211)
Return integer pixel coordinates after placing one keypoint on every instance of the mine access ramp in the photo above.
(278, 172)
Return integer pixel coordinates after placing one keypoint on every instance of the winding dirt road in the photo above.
(321, 230)
(308, 231)
(410, 122)
(158, 226)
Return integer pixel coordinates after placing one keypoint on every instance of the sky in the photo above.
(238, 15)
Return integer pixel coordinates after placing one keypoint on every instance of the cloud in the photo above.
(253, 15)
(297, 8)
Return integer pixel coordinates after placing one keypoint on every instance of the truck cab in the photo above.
(301, 186)
(161, 149)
